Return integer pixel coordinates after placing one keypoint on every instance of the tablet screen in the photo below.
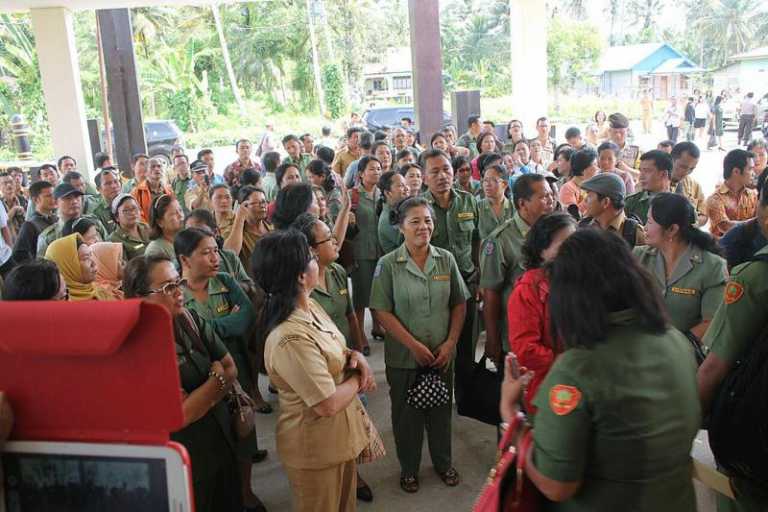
(64, 483)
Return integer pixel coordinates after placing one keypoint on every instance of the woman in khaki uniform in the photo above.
(321, 429)
(420, 298)
(685, 262)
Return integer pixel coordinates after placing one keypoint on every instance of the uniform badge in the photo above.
(465, 216)
(733, 292)
(564, 399)
(489, 248)
(683, 291)
(377, 271)
(441, 277)
(343, 291)
(223, 308)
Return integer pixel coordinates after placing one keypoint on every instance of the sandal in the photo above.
(450, 477)
(409, 484)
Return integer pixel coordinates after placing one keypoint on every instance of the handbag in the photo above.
(481, 394)
(428, 391)
(374, 450)
(507, 489)
(243, 410)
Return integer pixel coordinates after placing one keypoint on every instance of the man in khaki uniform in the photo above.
(501, 258)
(605, 208)
(350, 153)
(685, 157)
(628, 153)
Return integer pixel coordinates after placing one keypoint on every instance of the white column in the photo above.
(528, 26)
(60, 72)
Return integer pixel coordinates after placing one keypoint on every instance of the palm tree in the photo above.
(730, 27)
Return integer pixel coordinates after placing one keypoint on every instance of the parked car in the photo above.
(161, 136)
(377, 118)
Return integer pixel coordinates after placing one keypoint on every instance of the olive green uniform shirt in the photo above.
(53, 233)
(99, 208)
(638, 205)
(302, 162)
(420, 300)
(743, 314)
(695, 288)
(233, 328)
(501, 263)
(180, 187)
(132, 247)
(456, 227)
(335, 299)
(487, 220)
(390, 237)
(620, 416)
(366, 243)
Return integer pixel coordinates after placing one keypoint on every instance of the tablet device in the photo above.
(85, 477)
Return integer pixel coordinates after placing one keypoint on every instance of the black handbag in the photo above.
(481, 394)
(428, 391)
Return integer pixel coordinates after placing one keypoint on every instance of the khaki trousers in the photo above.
(332, 489)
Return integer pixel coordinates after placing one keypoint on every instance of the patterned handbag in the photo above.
(374, 450)
(428, 391)
(507, 489)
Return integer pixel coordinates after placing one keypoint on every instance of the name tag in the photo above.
(442, 277)
(343, 291)
(465, 215)
(683, 291)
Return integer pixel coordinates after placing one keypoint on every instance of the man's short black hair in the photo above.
(203, 152)
(410, 121)
(288, 138)
(107, 170)
(65, 157)
(70, 176)
(661, 160)
(735, 159)
(433, 153)
(366, 140)
(486, 121)
(472, 120)
(685, 147)
(99, 159)
(523, 188)
(354, 130)
(572, 132)
(404, 153)
(237, 144)
(379, 135)
(325, 130)
(37, 188)
(666, 144)
(49, 166)
(135, 158)
(270, 161)
(325, 154)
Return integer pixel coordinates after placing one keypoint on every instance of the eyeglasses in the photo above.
(329, 239)
(168, 289)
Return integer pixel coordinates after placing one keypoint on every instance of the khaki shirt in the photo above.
(342, 161)
(456, 228)
(691, 189)
(335, 299)
(695, 288)
(630, 155)
(487, 220)
(420, 299)
(193, 194)
(305, 358)
(743, 314)
(625, 431)
(617, 226)
(132, 247)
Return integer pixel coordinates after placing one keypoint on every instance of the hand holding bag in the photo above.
(507, 489)
(243, 410)
(429, 391)
(481, 394)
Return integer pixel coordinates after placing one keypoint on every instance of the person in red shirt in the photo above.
(530, 338)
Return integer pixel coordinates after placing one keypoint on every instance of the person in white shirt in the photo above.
(702, 114)
(747, 112)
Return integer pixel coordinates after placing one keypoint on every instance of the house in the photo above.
(744, 72)
(625, 71)
(390, 80)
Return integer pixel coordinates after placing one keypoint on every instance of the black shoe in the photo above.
(364, 493)
(367, 350)
(259, 456)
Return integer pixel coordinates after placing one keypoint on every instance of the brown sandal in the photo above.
(409, 484)
(450, 477)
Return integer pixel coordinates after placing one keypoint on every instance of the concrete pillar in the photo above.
(528, 26)
(427, 63)
(60, 73)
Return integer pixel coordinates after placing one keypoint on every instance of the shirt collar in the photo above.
(618, 221)
(522, 226)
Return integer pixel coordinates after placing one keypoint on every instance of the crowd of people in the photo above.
(599, 273)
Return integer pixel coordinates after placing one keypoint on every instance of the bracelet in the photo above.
(220, 381)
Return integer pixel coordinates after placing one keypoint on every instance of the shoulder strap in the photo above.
(759, 257)
(190, 325)
(355, 198)
(629, 231)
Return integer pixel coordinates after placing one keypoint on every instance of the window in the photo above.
(402, 82)
(379, 84)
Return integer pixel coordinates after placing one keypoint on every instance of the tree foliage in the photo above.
(573, 50)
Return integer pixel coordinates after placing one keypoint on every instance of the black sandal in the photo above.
(450, 477)
(409, 484)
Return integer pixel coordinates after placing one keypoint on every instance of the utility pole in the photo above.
(227, 61)
(315, 59)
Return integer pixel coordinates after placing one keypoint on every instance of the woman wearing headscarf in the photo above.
(75, 261)
(108, 257)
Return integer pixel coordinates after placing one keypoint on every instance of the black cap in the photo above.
(618, 120)
(64, 190)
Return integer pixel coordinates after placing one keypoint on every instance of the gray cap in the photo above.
(606, 184)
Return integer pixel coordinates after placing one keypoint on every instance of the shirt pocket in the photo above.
(466, 227)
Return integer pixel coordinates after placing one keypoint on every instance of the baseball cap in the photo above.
(199, 165)
(64, 190)
(606, 184)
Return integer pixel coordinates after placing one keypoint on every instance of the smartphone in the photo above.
(38, 476)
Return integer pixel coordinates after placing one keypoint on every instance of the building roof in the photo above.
(396, 60)
(650, 58)
(757, 53)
